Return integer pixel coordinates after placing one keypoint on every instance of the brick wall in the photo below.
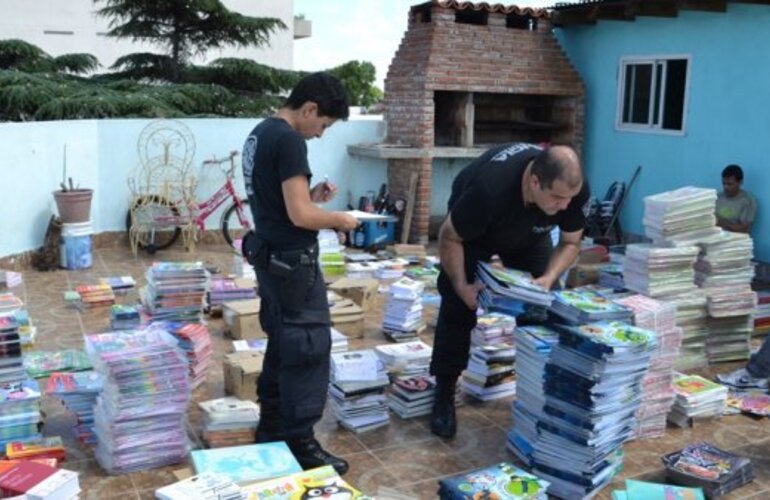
(445, 55)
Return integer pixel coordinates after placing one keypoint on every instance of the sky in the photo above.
(362, 30)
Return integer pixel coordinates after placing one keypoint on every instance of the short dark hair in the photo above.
(323, 89)
(551, 164)
(734, 171)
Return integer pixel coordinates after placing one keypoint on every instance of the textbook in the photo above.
(244, 464)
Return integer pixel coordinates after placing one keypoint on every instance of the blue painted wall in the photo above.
(728, 108)
(101, 154)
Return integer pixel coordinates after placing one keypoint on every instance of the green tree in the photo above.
(358, 77)
(23, 56)
(183, 28)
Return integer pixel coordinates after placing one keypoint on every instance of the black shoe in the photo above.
(310, 455)
(443, 422)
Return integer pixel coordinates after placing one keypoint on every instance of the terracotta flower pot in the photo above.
(74, 205)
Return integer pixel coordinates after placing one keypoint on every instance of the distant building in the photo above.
(66, 26)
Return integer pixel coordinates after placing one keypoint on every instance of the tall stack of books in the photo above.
(20, 415)
(503, 480)
(533, 345)
(680, 216)
(703, 465)
(194, 339)
(412, 389)
(490, 373)
(658, 271)
(762, 313)
(696, 397)
(175, 291)
(124, 317)
(229, 421)
(725, 260)
(402, 320)
(729, 337)
(356, 390)
(229, 289)
(691, 317)
(657, 396)
(78, 392)
(592, 391)
(579, 306)
(96, 295)
(139, 419)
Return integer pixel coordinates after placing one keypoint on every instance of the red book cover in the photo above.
(24, 476)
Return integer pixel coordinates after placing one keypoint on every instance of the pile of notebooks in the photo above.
(229, 421)
(20, 416)
(78, 392)
(696, 397)
(402, 320)
(729, 338)
(331, 253)
(578, 306)
(194, 339)
(510, 283)
(691, 317)
(356, 390)
(96, 295)
(592, 392)
(175, 291)
(703, 465)
(725, 260)
(139, 419)
(533, 346)
(680, 216)
(502, 480)
(124, 317)
(228, 289)
(659, 271)
(490, 372)
(412, 390)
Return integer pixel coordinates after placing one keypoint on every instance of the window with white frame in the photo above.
(653, 93)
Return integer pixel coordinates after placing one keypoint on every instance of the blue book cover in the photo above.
(642, 490)
(243, 464)
(503, 480)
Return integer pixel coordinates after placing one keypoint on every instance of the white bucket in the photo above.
(76, 247)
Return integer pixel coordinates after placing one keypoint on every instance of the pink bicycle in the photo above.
(162, 219)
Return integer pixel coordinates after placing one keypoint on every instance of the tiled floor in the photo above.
(402, 461)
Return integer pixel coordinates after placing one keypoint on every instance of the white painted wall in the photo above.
(84, 31)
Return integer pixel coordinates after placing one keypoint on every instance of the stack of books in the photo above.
(703, 465)
(11, 363)
(658, 271)
(402, 320)
(229, 289)
(42, 363)
(33, 480)
(229, 421)
(139, 419)
(533, 346)
(725, 260)
(729, 338)
(391, 269)
(20, 415)
(339, 341)
(490, 373)
(510, 283)
(427, 275)
(611, 276)
(27, 331)
(120, 285)
(361, 270)
(9, 303)
(194, 339)
(49, 447)
(175, 291)
(691, 317)
(208, 486)
(592, 391)
(503, 480)
(78, 393)
(247, 464)
(731, 301)
(680, 216)
(412, 389)
(124, 317)
(321, 483)
(657, 396)
(762, 313)
(696, 397)
(96, 295)
(358, 382)
(579, 306)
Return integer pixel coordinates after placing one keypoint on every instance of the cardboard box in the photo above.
(242, 319)
(584, 274)
(348, 318)
(360, 291)
(241, 371)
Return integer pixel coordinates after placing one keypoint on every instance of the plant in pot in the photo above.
(73, 203)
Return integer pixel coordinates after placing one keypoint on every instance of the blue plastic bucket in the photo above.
(76, 248)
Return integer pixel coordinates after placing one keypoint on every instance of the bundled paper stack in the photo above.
(703, 465)
(229, 421)
(402, 320)
(78, 392)
(391, 269)
(580, 306)
(503, 480)
(120, 285)
(356, 390)
(124, 317)
(592, 391)
(140, 415)
(762, 313)
(412, 389)
(696, 397)
(229, 289)
(490, 373)
(20, 415)
(533, 345)
(691, 317)
(96, 295)
(725, 260)
(658, 271)
(175, 291)
(657, 396)
(510, 283)
(680, 216)
(194, 339)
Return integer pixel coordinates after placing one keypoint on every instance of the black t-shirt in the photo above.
(488, 210)
(274, 152)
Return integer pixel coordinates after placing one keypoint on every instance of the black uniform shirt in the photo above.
(487, 206)
(274, 152)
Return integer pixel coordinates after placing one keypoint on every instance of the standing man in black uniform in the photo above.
(506, 202)
(284, 250)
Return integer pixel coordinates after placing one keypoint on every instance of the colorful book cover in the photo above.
(705, 462)
(613, 334)
(643, 490)
(589, 301)
(689, 385)
(244, 464)
(503, 480)
(321, 482)
(754, 402)
(511, 277)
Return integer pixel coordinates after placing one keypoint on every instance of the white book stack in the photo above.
(361, 270)
(391, 269)
(412, 389)
(658, 271)
(692, 318)
(356, 389)
(402, 320)
(490, 373)
(682, 216)
(229, 421)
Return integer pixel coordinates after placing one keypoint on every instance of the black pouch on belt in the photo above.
(296, 277)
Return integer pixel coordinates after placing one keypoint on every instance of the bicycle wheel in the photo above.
(232, 227)
(151, 235)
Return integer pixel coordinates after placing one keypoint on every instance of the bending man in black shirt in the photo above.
(506, 202)
(294, 311)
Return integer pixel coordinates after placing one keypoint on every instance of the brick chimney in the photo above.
(470, 76)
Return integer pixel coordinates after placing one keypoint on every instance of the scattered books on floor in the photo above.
(703, 465)
(753, 402)
(501, 481)
(229, 421)
(246, 464)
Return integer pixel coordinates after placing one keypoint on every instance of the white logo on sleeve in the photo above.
(247, 162)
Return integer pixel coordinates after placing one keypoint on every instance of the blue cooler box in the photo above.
(375, 233)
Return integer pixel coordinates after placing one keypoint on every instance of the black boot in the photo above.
(443, 422)
(309, 454)
(269, 428)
